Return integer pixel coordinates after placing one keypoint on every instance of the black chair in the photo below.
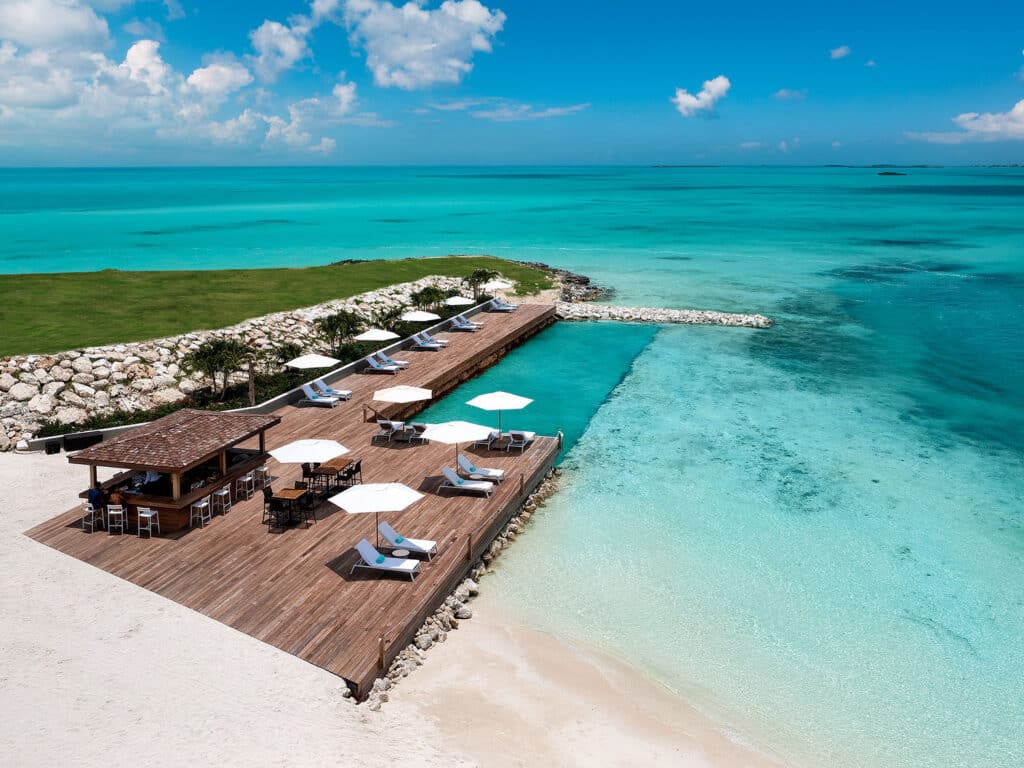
(269, 504)
(357, 471)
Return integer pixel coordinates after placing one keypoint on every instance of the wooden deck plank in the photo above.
(293, 589)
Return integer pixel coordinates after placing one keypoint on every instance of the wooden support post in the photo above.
(263, 442)
(223, 463)
(93, 480)
(176, 485)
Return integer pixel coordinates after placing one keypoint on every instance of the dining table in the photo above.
(332, 468)
(291, 496)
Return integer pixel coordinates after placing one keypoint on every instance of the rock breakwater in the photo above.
(574, 311)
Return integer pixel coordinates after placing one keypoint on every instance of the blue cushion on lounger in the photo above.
(399, 539)
(380, 559)
(472, 468)
(461, 481)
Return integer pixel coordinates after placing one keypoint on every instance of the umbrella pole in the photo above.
(376, 519)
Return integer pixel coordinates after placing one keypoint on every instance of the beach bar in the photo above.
(177, 460)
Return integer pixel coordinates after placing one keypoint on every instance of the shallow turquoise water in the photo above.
(815, 531)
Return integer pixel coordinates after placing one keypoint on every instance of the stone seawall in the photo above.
(571, 311)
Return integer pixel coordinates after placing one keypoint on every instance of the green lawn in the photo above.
(43, 313)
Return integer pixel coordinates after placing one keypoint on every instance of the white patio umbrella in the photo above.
(455, 432)
(309, 451)
(402, 394)
(496, 285)
(459, 301)
(499, 401)
(418, 316)
(312, 361)
(376, 498)
(376, 334)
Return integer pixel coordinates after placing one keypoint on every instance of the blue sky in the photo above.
(475, 81)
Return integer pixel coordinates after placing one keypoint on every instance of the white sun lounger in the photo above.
(373, 560)
(341, 394)
(433, 339)
(497, 305)
(421, 343)
(396, 541)
(391, 361)
(377, 366)
(473, 472)
(462, 324)
(313, 398)
(488, 441)
(520, 440)
(457, 483)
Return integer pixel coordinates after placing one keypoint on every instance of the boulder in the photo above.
(53, 388)
(23, 391)
(143, 385)
(41, 404)
(70, 415)
(22, 445)
(69, 397)
(464, 612)
(60, 373)
(83, 390)
(166, 396)
(83, 378)
(82, 365)
(6, 382)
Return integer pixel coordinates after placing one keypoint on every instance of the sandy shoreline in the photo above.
(96, 671)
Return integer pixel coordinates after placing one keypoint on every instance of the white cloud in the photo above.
(345, 93)
(711, 93)
(840, 53)
(174, 10)
(751, 145)
(51, 23)
(278, 47)
(975, 126)
(147, 28)
(325, 147)
(107, 6)
(143, 64)
(414, 47)
(219, 79)
(789, 94)
(870, 63)
(509, 112)
(462, 104)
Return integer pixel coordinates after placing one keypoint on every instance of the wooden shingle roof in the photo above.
(176, 442)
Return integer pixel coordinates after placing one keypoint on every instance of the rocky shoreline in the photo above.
(575, 311)
(572, 287)
(456, 606)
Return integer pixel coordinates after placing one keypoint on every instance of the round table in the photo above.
(399, 552)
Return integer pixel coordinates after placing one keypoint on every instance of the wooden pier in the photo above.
(293, 588)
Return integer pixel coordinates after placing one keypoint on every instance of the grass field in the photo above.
(43, 313)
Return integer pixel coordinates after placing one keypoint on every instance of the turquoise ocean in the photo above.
(814, 533)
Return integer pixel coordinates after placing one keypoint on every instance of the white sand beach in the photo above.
(97, 671)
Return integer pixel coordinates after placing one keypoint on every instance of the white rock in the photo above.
(53, 388)
(83, 390)
(6, 382)
(41, 404)
(166, 396)
(70, 415)
(82, 364)
(22, 391)
(83, 378)
(22, 445)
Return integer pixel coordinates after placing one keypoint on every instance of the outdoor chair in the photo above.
(200, 510)
(91, 517)
(488, 441)
(341, 394)
(312, 398)
(433, 339)
(222, 499)
(371, 559)
(245, 486)
(520, 440)
(422, 343)
(148, 518)
(387, 430)
(474, 472)
(461, 324)
(377, 367)
(116, 518)
(498, 305)
(391, 361)
(396, 541)
(456, 483)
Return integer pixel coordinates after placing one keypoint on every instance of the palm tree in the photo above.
(478, 277)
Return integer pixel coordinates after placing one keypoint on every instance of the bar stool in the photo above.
(116, 518)
(245, 486)
(222, 499)
(91, 516)
(147, 519)
(200, 511)
(261, 477)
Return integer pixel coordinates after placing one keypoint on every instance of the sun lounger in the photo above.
(497, 305)
(373, 560)
(388, 429)
(313, 398)
(433, 339)
(421, 343)
(488, 441)
(341, 394)
(462, 324)
(378, 367)
(456, 483)
(396, 541)
(412, 433)
(520, 440)
(473, 472)
(391, 361)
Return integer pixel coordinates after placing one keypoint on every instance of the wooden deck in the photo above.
(293, 588)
